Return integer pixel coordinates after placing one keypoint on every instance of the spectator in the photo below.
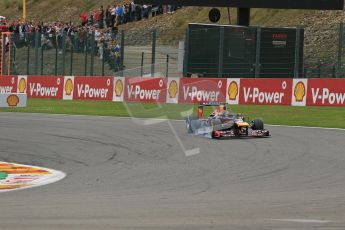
(63, 35)
(145, 11)
(108, 17)
(101, 18)
(3, 27)
(119, 15)
(83, 18)
(133, 12)
(113, 15)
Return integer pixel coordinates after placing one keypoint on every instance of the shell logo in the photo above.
(173, 88)
(118, 88)
(69, 87)
(299, 91)
(233, 90)
(13, 100)
(22, 85)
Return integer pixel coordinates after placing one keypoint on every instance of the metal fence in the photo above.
(153, 52)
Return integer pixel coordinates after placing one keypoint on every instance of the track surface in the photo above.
(121, 175)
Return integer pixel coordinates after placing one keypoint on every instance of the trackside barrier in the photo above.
(92, 88)
(194, 90)
(13, 100)
(326, 93)
(246, 91)
(145, 89)
(9, 94)
(45, 87)
(8, 84)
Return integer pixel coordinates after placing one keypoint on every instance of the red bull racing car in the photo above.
(224, 123)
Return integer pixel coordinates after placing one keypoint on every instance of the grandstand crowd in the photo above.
(99, 26)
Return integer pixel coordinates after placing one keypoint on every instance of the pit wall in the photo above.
(246, 91)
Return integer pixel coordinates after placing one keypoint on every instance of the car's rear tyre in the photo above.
(258, 124)
(216, 124)
(189, 124)
(192, 124)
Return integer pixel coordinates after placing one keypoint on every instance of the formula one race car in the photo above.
(223, 123)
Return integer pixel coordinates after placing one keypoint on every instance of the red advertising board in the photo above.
(195, 90)
(326, 92)
(145, 89)
(265, 91)
(8, 84)
(45, 87)
(93, 88)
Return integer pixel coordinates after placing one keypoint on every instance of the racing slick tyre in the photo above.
(190, 124)
(216, 124)
(258, 124)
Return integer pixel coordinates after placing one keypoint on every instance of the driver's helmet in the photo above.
(219, 111)
(225, 113)
(221, 108)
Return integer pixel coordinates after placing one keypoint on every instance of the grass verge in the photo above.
(332, 117)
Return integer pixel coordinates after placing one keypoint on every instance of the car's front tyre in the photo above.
(257, 124)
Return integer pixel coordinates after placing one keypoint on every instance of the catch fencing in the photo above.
(162, 52)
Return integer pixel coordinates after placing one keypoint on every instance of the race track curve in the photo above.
(122, 174)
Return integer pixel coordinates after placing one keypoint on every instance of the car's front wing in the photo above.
(231, 133)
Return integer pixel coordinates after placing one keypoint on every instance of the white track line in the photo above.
(305, 221)
(305, 127)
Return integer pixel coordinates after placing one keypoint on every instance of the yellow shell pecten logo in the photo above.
(233, 90)
(13, 100)
(118, 88)
(299, 91)
(173, 89)
(69, 87)
(22, 85)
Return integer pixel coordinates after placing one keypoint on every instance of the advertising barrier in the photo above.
(173, 90)
(330, 92)
(119, 88)
(299, 93)
(13, 100)
(265, 91)
(22, 84)
(45, 87)
(195, 90)
(93, 88)
(68, 88)
(8, 84)
(235, 91)
(145, 89)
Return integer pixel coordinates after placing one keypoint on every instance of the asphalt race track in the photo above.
(122, 174)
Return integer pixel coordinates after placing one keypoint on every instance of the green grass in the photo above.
(333, 117)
